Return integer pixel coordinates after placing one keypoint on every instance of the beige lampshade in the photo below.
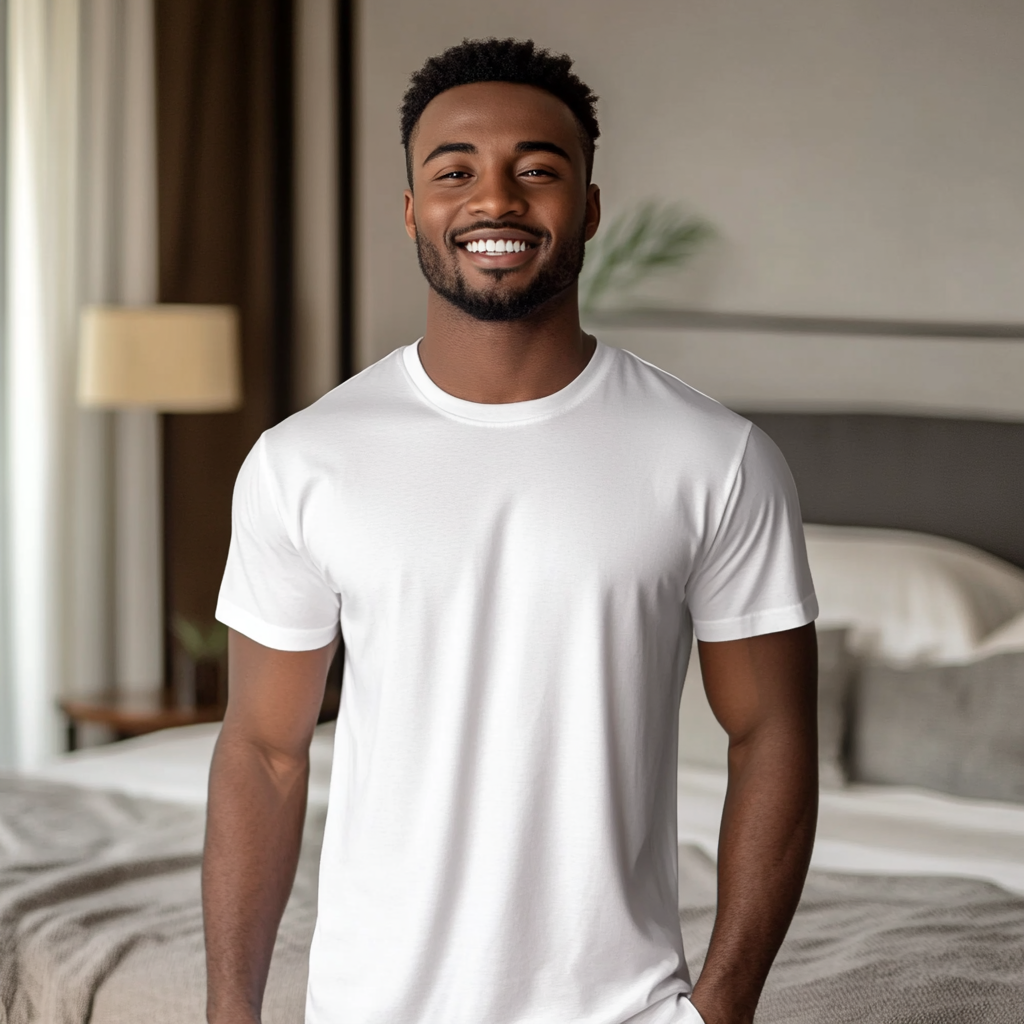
(168, 357)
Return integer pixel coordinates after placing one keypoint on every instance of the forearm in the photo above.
(257, 805)
(765, 847)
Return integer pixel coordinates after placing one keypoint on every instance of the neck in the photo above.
(508, 361)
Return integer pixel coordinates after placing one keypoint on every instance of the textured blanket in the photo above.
(100, 922)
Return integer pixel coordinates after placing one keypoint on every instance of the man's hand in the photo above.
(257, 804)
(763, 690)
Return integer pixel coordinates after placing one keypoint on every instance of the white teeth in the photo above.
(495, 246)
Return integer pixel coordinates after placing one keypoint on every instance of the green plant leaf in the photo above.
(651, 238)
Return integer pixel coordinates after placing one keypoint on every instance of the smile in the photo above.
(498, 245)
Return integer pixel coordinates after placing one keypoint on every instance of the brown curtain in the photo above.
(224, 105)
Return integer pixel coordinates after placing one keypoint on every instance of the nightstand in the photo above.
(131, 716)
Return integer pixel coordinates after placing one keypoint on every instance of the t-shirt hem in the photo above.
(280, 638)
(690, 1013)
(771, 620)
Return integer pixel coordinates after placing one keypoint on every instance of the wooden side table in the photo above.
(131, 716)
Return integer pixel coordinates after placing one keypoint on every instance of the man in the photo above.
(515, 526)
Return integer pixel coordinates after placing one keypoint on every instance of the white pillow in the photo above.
(910, 597)
(1008, 637)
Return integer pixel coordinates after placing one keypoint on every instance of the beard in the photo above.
(444, 275)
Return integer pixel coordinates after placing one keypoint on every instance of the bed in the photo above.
(913, 910)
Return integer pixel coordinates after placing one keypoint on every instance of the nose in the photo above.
(495, 196)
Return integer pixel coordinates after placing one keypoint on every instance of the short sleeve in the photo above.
(753, 577)
(271, 591)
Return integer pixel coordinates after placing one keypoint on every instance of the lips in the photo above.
(502, 247)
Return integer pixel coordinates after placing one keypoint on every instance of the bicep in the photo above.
(274, 696)
(761, 682)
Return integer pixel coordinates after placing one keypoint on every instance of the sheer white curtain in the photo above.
(82, 523)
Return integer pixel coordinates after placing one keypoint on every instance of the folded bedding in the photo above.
(100, 922)
(868, 950)
(100, 915)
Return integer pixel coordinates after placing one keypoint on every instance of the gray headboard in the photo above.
(957, 478)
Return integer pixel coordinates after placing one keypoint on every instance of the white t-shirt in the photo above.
(515, 585)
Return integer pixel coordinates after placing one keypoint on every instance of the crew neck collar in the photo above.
(506, 412)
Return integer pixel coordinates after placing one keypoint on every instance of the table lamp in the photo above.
(168, 358)
(144, 360)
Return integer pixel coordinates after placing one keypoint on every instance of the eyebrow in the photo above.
(521, 147)
(450, 147)
(542, 147)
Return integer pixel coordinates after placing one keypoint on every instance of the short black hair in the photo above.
(501, 60)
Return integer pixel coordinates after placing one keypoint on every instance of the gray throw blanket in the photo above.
(100, 922)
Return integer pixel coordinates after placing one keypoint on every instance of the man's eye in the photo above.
(453, 174)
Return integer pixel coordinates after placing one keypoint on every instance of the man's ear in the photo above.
(410, 215)
(593, 216)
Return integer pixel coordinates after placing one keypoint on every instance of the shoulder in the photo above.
(677, 412)
(346, 412)
(665, 391)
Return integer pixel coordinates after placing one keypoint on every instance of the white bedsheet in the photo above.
(173, 764)
(883, 830)
(861, 829)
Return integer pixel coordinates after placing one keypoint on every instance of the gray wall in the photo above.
(859, 157)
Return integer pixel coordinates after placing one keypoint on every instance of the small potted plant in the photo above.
(201, 677)
(648, 239)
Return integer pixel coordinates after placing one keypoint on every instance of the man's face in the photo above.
(499, 163)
